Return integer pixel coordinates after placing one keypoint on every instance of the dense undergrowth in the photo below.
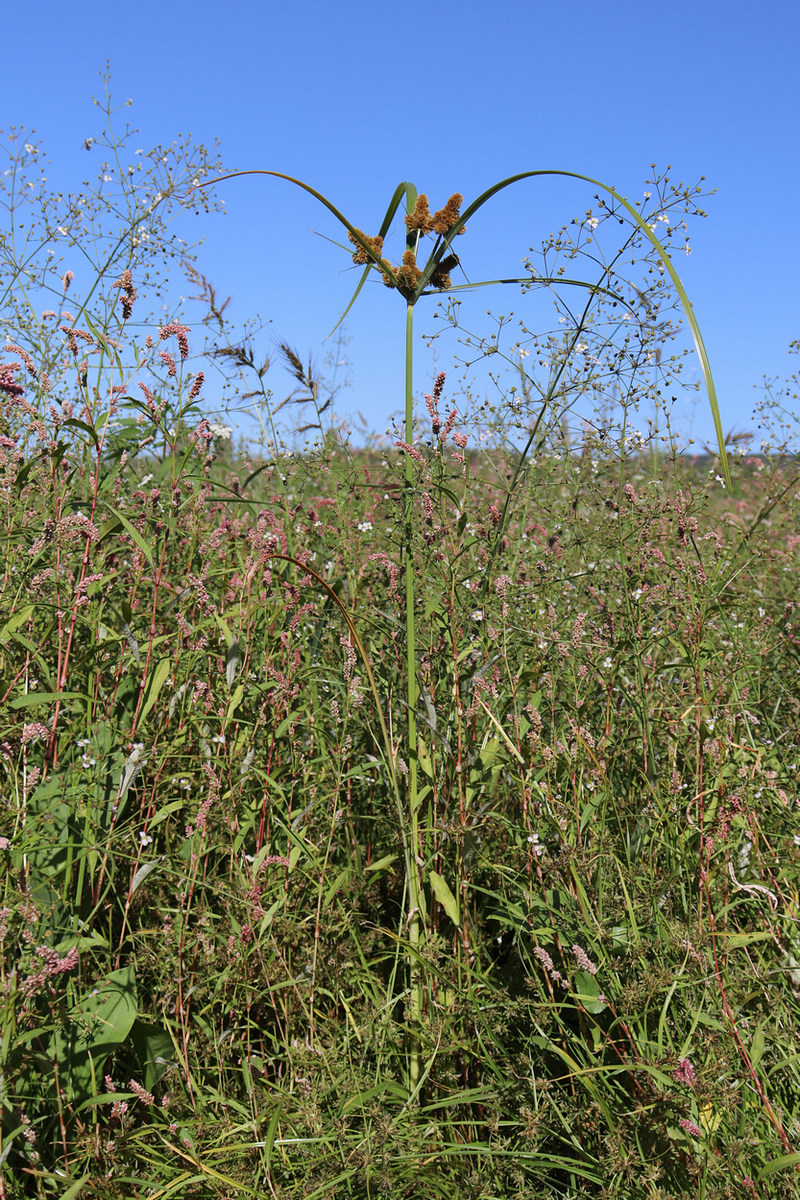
(205, 981)
(257, 941)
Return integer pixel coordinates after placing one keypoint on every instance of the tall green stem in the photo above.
(415, 889)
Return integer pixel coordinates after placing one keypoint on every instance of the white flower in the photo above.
(593, 222)
(478, 614)
(223, 432)
(538, 848)
(365, 526)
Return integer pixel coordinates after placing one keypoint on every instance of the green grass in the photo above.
(198, 800)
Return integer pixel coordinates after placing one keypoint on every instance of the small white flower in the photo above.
(365, 526)
(478, 614)
(538, 848)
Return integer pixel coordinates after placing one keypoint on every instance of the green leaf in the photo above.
(779, 1164)
(587, 991)
(154, 1050)
(234, 657)
(95, 1027)
(424, 758)
(76, 1188)
(234, 701)
(445, 897)
(144, 870)
(386, 861)
(74, 423)
(702, 354)
(14, 622)
(34, 698)
(154, 686)
(133, 533)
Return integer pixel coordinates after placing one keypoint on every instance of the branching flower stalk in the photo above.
(412, 282)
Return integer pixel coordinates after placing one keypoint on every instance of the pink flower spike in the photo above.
(684, 1073)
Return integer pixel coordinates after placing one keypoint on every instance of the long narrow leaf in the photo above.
(665, 258)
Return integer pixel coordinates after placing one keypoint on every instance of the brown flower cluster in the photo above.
(441, 221)
(361, 258)
(441, 276)
(409, 273)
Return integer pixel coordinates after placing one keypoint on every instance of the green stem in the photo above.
(415, 892)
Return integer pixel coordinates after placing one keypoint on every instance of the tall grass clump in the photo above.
(418, 820)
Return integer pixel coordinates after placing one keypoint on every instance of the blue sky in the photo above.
(356, 97)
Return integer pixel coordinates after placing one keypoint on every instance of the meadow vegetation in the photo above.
(417, 819)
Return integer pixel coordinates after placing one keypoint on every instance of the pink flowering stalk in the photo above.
(583, 960)
(684, 1073)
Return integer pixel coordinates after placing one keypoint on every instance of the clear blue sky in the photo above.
(355, 97)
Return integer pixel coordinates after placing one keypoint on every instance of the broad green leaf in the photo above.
(95, 1027)
(445, 897)
(154, 1049)
(587, 991)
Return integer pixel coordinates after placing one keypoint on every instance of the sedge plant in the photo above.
(425, 270)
